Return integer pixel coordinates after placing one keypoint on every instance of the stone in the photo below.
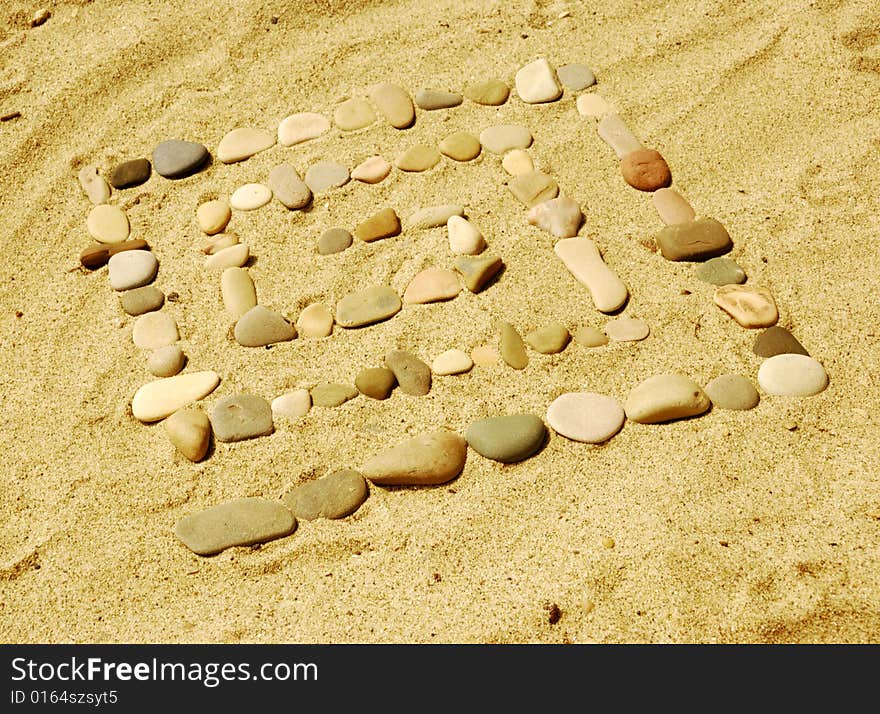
(478, 271)
(461, 146)
(332, 395)
(166, 361)
(130, 173)
(293, 405)
(490, 92)
(336, 495)
(426, 460)
(536, 82)
(238, 291)
(720, 271)
(732, 391)
(132, 269)
(665, 397)
(221, 242)
(517, 162)
(452, 361)
(241, 416)
(751, 306)
(585, 416)
(627, 329)
(394, 104)
(304, 126)
(593, 105)
(354, 114)
(108, 224)
(376, 382)
(507, 439)
(431, 285)
(550, 339)
(250, 197)
(213, 216)
(326, 175)
(582, 258)
(176, 159)
(315, 321)
(672, 207)
(695, 240)
(383, 224)
(334, 240)
(505, 137)
(412, 375)
(777, 341)
(485, 356)
(792, 375)
(533, 188)
(261, 326)
(511, 346)
(189, 430)
(576, 76)
(241, 144)
(614, 132)
(141, 300)
(371, 170)
(433, 216)
(154, 330)
(645, 170)
(245, 521)
(589, 336)
(235, 256)
(560, 217)
(156, 400)
(93, 184)
(367, 306)
(40, 17)
(97, 254)
(420, 157)
(431, 99)
(289, 188)
(464, 237)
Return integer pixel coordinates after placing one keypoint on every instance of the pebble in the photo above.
(261, 326)
(426, 460)
(490, 92)
(155, 330)
(241, 416)
(238, 291)
(485, 356)
(332, 395)
(315, 321)
(505, 137)
(176, 159)
(141, 300)
(130, 173)
(420, 157)
(40, 17)
(433, 216)
(533, 188)
(354, 114)
(376, 382)
(431, 285)
(166, 361)
(413, 376)
(585, 416)
(132, 269)
(97, 254)
(582, 258)
(550, 339)
(336, 495)
(371, 170)
(367, 306)
(720, 271)
(289, 188)
(576, 76)
(777, 341)
(431, 99)
(672, 207)
(297, 128)
(507, 439)
(665, 397)
(245, 521)
(93, 184)
(213, 216)
(792, 375)
(383, 224)
(751, 306)
(189, 430)
(108, 224)
(334, 240)
(156, 400)
(593, 105)
(464, 237)
(461, 146)
(478, 271)
(536, 82)
(645, 170)
(240, 144)
(627, 329)
(293, 405)
(589, 336)
(560, 217)
(250, 197)
(617, 135)
(326, 175)
(221, 242)
(234, 256)
(732, 391)
(694, 240)
(394, 104)
(452, 361)
(511, 346)
(517, 162)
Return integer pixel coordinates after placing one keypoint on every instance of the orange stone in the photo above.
(646, 170)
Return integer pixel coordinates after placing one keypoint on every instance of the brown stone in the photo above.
(375, 382)
(513, 351)
(477, 271)
(384, 224)
(695, 240)
(413, 375)
(646, 170)
(98, 254)
(777, 341)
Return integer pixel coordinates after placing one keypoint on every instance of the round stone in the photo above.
(751, 306)
(315, 321)
(585, 416)
(130, 173)
(301, 127)
(155, 330)
(131, 269)
(431, 285)
(234, 256)
(293, 405)
(589, 336)
(536, 82)
(427, 460)
(505, 137)
(489, 92)
(376, 382)
(334, 240)
(792, 375)
(732, 391)
(777, 341)
(336, 495)
(627, 329)
(371, 170)
(394, 104)
(507, 439)
(176, 159)
(560, 217)
(550, 339)
(420, 157)
(189, 430)
(452, 361)
(240, 144)
(326, 175)
(461, 146)
(354, 114)
(332, 395)
(511, 346)
(432, 99)
(261, 326)
(156, 400)
(383, 224)
(464, 237)
(576, 76)
(213, 216)
(672, 207)
(250, 197)
(413, 375)
(646, 170)
(238, 291)
(593, 105)
(93, 184)
(367, 306)
(289, 188)
(720, 271)
(108, 224)
(665, 397)
(166, 361)
(237, 523)
(240, 417)
(140, 300)
(517, 162)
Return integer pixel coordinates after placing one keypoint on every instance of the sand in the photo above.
(759, 526)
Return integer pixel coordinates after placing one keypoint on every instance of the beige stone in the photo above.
(751, 306)
(582, 258)
(213, 216)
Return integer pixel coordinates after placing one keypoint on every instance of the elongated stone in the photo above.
(508, 438)
(478, 271)
(219, 242)
(156, 400)
(720, 271)
(413, 376)
(367, 306)
(505, 137)
(533, 188)
(332, 395)
(777, 341)
(304, 126)
(427, 460)
(383, 224)
(376, 382)
(751, 306)
(420, 157)
(97, 254)
(433, 216)
(93, 184)
(289, 188)
(665, 397)
(176, 159)
(550, 339)
(585, 416)
(695, 240)
(431, 99)
(617, 135)
(672, 207)
(511, 346)
(394, 104)
(431, 285)
(142, 300)
(238, 291)
(234, 256)
(261, 326)
(245, 521)
(336, 495)
(240, 144)
(582, 258)
(452, 361)
(490, 92)
(371, 170)
(354, 114)
(189, 430)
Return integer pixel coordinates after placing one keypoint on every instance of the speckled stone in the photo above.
(489, 92)
(336, 495)
(332, 395)
(750, 305)
(141, 300)
(176, 159)
(665, 397)
(507, 439)
(130, 173)
(376, 382)
(427, 460)
(777, 341)
(367, 306)
(720, 271)
(236, 523)
(732, 391)
(241, 416)
(261, 326)
(696, 240)
(413, 376)
(550, 339)
(334, 240)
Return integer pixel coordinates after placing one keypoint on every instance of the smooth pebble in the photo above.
(627, 329)
(376, 382)
(720, 271)
(617, 135)
(431, 285)
(213, 216)
(189, 430)
(176, 159)
(489, 92)
(154, 330)
(732, 391)
(792, 375)
(241, 416)
(238, 291)
(464, 237)
(235, 256)
(672, 207)
(334, 240)
(433, 216)
(426, 460)
(589, 336)
(166, 361)
(550, 339)
(325, 175)
(367, 306)
(777, 341)
(130, 173)
(508, 438)
(287, 186)
(452, 361)
(132, 269)
(250, 197)
(304, 126)
(536, 82)
(696, 240)
(261, 326)
(333, 496)
(576, 76)
(394, 104)
(97, 254)
(533, 188)
(582, 258)
(371, 170)
(517, 162)
(141, 300)
(108, 224)
(665, 397)
(245, 521)
(383, 224)
(240, 144)
(413, 376)
(512, 348)
(645, 170)
(354, 114)
(332, 395)
(461, 146)
(593, 105)
(418, 158)
(505, 137)
(93, 184)
(316, 320)
(477, 272)
(585, 416)
(292, 405)
(156, 400)
(432, 99)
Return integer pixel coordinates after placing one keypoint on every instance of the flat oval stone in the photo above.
(732, 391)
(665, 397)
(593, 105)
(289, 188)
(245, 521)
(433, 216)
(241, 416)
(550, 339)
(238, 291)
(585, 416)
(672, 207)
(560, 217)
(315, 321)
(93, 184)
(250, 197)
(354, 114)
(108, 224)
(536, 82)
(420, 157)
(189, 430)
(431, 99)
(589, 336)
(334, 240)
(241, 144)
(505, 137)
(533, 188)
(261, 326)
(452, 361)
(490, 92)
(517, 162)
(376, 382)
(367, 306)
(627, 329)
(777, 341)
(156, 400)
(176, 159)
(221, 242)
(213, 216)
(511, 346)
(155, 330)
(792, 375)
(427, 460)
(582, 258)
(720, 271)
(326, 175)
(166, 361)
(332, 395)
(301, 127)
(141, 300)
(576, 76)
(130, 173)
(383, 224)
(394, 104)
(97, 254)
(132, 269)
(336, 495)
(695, 240)
(464, 237)
(372, 170)
(293, 405)
(507, 439)
(485, 356)
(751, 306)
(431, 285)
(645, 170)
(234, 256)
(614, 132)
(461, 146)
(413, 375)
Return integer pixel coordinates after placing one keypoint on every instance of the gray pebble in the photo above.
(242, 416)
(334, 240)
(176, 159)
(576, 76)
(333, 496)
(721, 271)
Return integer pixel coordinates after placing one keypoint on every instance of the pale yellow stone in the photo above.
(315, 321)
(232, 257)
(238, 291)
(213, 216)
(108, 224)
(517, 162)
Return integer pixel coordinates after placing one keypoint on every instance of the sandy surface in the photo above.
(731, 527)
